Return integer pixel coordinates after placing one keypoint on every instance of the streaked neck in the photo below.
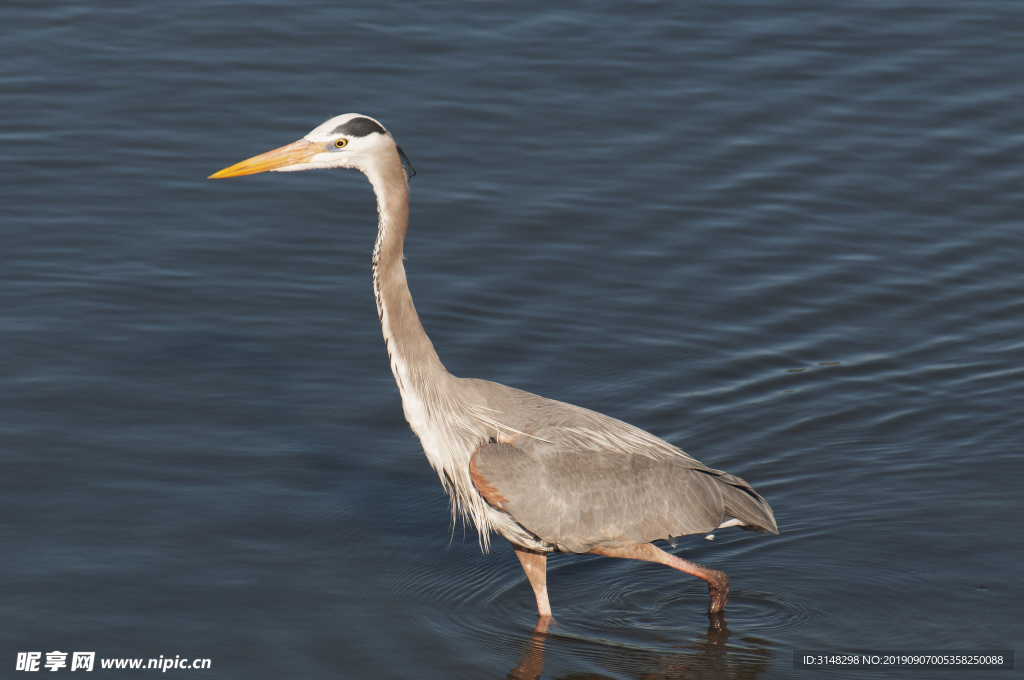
(413, 359)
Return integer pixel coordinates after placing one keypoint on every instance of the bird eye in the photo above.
(341, 143)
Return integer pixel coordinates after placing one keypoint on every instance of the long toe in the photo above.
(718, 586)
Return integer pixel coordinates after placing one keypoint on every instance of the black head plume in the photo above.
(412, 170)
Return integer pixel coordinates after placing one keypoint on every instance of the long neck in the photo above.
(432, 400)
(413, 359)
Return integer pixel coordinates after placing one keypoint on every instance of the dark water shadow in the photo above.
(708, 656)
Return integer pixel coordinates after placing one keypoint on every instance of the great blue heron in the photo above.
(546, 475)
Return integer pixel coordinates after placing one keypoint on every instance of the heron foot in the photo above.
(717, 624)
(718, 586)
(718, 583)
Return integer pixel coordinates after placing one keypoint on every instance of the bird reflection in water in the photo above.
(706, 657)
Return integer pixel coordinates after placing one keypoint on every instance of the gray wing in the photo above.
(578, 499)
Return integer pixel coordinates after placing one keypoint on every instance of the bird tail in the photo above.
(746, 505)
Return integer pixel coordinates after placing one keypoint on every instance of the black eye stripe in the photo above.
(358, 127)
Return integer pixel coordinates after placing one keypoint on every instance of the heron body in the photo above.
(546, 475)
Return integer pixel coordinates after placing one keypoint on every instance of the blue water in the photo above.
(786, 237)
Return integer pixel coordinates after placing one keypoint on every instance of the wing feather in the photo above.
(578, 499)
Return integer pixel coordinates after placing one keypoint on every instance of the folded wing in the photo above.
(576, 500)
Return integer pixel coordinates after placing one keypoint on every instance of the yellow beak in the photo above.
(296, 152)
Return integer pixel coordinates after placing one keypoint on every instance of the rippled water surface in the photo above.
(786, 237)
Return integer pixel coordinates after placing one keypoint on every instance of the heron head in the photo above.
(350, 140)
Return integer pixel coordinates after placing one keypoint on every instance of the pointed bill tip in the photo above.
(291, 154)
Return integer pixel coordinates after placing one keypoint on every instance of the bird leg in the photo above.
(535, 565)
(718, 583)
